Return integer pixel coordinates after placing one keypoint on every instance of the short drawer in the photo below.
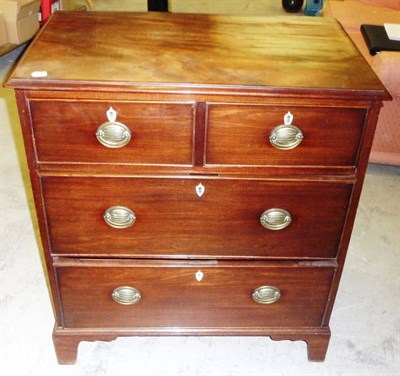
(132, 132)
(192, 217)
(121, 294)
(241, 135)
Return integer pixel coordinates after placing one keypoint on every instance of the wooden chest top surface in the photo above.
(203, 51)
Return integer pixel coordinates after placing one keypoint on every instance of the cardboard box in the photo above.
(120, 5)
(21, 19)
(73, 5)
(244, 7)
(106, 5)
(3, 34)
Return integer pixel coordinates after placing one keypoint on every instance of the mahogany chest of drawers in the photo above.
(194, 174)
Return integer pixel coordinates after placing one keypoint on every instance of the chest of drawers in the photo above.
(194, 174)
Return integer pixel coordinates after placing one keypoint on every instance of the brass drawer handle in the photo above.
(286, 136)
(266, 294)
(275, 219)
(113, 134)
(119, 217)
(126, 295)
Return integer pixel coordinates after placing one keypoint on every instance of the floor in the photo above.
(365, 321)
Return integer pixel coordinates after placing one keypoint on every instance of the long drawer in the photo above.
(193, 217)
(123, 294)
(241, 135)
(113, 132)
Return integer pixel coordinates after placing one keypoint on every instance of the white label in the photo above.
(393, 31)
(39, 74)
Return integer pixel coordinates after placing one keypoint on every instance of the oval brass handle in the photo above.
(286, 137)
(119, 217)
(126, 295)
(113, 135)
(266, 294)
(275, 219)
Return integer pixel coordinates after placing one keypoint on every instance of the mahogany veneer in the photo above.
(194, 174)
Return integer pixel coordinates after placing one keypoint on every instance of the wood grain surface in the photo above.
(172, 221)
(172, 297)
(154, 48)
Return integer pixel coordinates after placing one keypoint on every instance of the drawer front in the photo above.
(171, 217)
(174, 295)
(239, 135)
(68, 131)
